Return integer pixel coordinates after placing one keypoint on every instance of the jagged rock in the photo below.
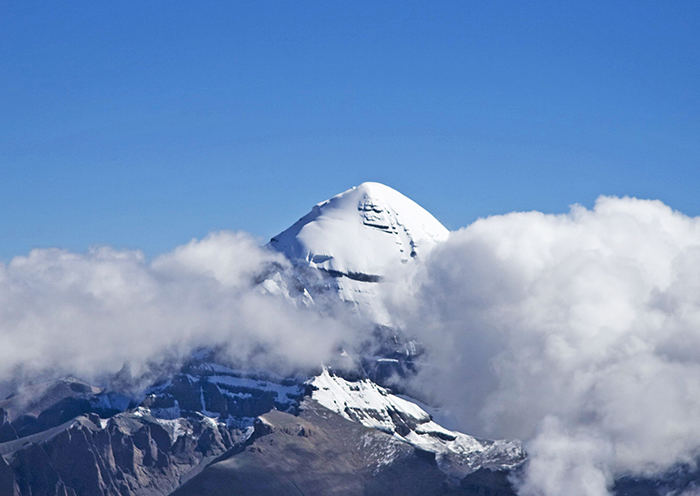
(41, 406)
(340, 457)
(130, 454)
(208, 387)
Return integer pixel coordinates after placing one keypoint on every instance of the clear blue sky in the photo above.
(144, 124)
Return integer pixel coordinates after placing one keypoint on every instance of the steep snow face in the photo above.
(348, 244)
(373, 406)
(361, 232)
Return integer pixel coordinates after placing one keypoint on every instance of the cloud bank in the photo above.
(92, 314)
(579, 333)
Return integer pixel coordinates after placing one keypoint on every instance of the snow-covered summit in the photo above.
(361, 233)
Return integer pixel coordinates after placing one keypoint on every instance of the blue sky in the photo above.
(144, 124)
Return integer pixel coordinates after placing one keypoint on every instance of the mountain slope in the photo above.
(456, 454)
(321, 453)
(345, 246)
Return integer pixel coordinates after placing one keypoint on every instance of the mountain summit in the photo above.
(361, 233)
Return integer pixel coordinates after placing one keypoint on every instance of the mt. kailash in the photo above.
(359, 237)
(212, 428)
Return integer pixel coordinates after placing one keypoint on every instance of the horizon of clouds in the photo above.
(578, 332)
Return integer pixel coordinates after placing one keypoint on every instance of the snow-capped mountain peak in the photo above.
(361, 233)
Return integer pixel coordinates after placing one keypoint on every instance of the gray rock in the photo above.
(320, 453)
(130, 454)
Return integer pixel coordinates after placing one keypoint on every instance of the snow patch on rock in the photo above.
(374, 406)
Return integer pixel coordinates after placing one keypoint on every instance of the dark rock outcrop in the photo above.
(41, 406)
(320, 453)
(129, 454)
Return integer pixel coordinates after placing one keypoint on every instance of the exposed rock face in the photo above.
(259, 436)
(367, 442)
(320, 453)
(218, 391)
(44, 405)
(131, 453)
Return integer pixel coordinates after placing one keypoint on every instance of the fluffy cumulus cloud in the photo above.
(579, 333)
(92, 314)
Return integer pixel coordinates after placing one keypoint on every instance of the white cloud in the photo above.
(591, 318)
(572, 463)
(89, 314)
(232, 258)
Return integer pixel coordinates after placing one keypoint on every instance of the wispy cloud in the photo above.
(91, 314)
